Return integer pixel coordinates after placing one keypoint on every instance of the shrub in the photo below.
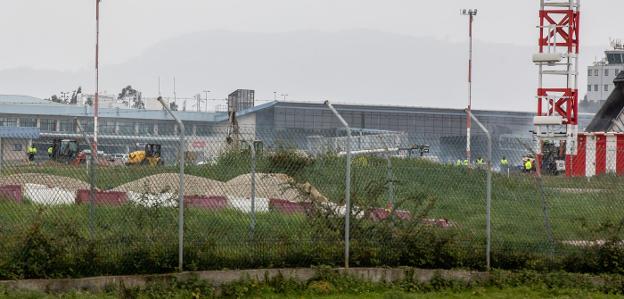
(289, 161)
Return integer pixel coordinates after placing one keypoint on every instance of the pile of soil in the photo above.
(278, 186)
(168, 182)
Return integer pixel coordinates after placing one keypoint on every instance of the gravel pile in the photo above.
(278, 186)
(168, 182)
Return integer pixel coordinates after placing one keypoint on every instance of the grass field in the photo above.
(576, 212)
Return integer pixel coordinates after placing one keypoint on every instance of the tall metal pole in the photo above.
(206, 91)
(471, 13)
(96, 102)
(252, 227)
(488, 199)
(347, 182)
(468, 121)
(91, 171)
(181, 157)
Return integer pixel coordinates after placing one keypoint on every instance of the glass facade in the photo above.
(146, 128)
(47, 125)
(28, 122)
(126, 128)
(66, 126)
(8, 122)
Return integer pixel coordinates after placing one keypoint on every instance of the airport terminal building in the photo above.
(272, 123)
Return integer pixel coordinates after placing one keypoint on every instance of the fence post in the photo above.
(488, 209)
(390, 175)
(181, 150)
(1, 156)
(347, 181)
(92, 162)
(253, 189)
(390, 181)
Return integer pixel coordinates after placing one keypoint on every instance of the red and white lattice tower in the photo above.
(557, 94)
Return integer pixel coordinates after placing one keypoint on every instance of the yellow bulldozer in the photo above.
(151, 156)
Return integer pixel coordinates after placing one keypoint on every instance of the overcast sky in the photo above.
(59, 34)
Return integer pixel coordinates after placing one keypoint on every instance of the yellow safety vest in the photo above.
(504, 162)
(528, 165)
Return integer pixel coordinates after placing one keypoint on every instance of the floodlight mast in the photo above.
(471, 13)
(97, 77)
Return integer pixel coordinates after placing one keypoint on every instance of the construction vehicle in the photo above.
(151, 156)
(553, 158)
(66, 151)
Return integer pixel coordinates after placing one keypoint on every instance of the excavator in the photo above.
(66, 151)
(151, 156)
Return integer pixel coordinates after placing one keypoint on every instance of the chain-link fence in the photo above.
(266, 198)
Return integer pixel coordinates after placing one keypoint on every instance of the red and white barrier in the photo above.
(597, 154)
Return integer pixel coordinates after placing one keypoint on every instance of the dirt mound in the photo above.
(279, 186)
(168, 182)
(66, 183)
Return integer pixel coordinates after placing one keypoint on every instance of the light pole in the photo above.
(471, 13)
(96, 102)
(206, 92)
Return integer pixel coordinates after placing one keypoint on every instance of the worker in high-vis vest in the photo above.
(50, 151)
(31, 151)
(504, 162)
(504, 165)
(528, 165)
(480, 162)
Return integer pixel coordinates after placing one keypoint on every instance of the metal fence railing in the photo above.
(247, 202)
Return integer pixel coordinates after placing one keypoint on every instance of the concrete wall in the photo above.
(218, 278)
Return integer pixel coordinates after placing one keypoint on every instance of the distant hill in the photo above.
(356, 66)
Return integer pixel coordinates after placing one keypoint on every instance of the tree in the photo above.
(54, 98)
(75, 94)
(131, 97)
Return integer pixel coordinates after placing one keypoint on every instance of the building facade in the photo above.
(601, 74)
(274, 123)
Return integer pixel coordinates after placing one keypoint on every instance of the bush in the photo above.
(289, 161)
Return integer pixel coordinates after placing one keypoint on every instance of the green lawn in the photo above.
(576, 212)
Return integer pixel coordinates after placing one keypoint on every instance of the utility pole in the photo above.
(174, 92)
(159, 86)
(97, 78)
(471, 13)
